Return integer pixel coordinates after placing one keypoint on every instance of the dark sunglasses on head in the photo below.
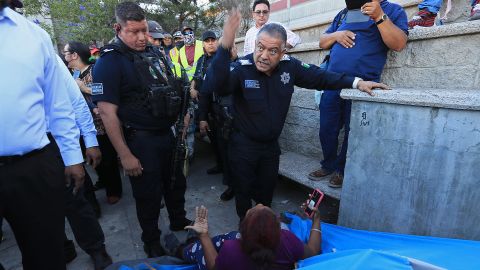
(264, 12)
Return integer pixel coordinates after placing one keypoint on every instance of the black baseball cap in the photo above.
(208, 34)
(187, 27)
(16, 4)
(155, 30)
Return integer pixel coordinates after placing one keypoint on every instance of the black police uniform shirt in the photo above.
(261, 102)
(206, 98)
(115, 80)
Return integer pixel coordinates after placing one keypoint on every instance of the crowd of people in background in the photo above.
(130, 105)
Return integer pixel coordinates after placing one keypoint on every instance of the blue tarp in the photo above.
(343, 246)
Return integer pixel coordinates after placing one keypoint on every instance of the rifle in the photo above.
(180, 151)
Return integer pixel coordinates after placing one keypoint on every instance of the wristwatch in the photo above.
(382, 19)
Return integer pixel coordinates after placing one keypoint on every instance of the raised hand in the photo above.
(230, 28)
(201, 221)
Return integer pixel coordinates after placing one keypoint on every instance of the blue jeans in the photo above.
(435, 5)
(334, 114)
(432, 5)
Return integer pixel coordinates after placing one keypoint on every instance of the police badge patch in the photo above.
(305, 65)
(252, 84)
(285, 77)
(97, 88)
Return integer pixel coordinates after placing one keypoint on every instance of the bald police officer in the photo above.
(262, 85)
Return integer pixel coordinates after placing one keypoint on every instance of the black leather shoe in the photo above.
(69, 251)
(227, 195)
(101, 259)
(154, 249)
(179, 224)
(214, 170)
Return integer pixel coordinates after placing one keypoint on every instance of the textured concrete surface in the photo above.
(438, 98)
(413, 170)
(122, 230)
(296, 167)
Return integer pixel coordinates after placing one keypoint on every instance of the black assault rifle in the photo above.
(180, 152)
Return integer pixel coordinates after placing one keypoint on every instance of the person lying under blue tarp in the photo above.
(343, 248)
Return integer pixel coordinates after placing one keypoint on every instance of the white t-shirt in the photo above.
(249, 45)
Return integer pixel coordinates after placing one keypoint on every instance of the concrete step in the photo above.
(296, 167)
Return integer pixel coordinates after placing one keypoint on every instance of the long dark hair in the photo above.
(81, 49)
(260, 232)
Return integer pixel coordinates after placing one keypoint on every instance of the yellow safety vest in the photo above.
(190, 70)
(174, 55)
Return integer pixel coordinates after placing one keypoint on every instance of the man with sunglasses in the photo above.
(261, 13)
(261, 85)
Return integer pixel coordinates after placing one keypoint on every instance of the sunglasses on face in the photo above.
(188, 32)
(259, 12)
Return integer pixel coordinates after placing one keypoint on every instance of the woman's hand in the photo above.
(201, 221)
(316, 216)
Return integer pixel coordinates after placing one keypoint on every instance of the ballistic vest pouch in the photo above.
(163, 99)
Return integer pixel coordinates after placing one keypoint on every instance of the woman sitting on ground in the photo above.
(261, 243)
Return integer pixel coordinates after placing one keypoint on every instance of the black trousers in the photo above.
(32, 200)
(213, 136)
(108, 170)
(154, 150)
(254, 167)
(85, 227)
(222, 148)
(80, 214)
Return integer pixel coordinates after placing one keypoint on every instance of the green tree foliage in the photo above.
(87, 20)
(82, 20)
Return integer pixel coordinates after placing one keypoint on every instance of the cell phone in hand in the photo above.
(313, 202)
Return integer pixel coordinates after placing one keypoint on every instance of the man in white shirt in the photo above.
(261, 13)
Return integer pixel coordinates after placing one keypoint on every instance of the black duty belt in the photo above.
(147, 132)
(6, 160)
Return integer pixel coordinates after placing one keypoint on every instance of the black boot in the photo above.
(227, 195)
(69, 251)
(179, 224)
(101, 259)
(153, 249)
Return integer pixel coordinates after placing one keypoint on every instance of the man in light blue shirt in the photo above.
(79, 211)
(31, 177)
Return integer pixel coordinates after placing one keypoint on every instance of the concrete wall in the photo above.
(413, 170)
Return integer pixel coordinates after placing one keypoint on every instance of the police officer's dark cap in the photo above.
(178, 34)
(16, 4)
(155, 30)
(186, 28)
(208, 34)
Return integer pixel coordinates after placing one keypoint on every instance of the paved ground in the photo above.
(121, 227)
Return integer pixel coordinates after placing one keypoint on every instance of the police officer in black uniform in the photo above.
(213, 113)
(138, 105)
(262, 85)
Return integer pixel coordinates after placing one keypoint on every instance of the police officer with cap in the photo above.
(138, 106)
(262, 85)
(155, 33)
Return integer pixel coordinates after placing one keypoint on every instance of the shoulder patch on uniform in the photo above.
(108, 50)
(97, 88)
(305, 65)
(285, 57)
(245, 62)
